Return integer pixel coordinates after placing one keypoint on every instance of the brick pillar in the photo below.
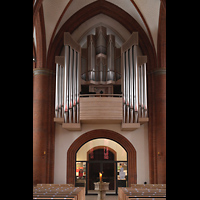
(160, 97)
(160, 101)
(40, 124)
(157, 125)
(160, 124)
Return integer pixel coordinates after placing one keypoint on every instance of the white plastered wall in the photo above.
(121, 154)
(64, 139)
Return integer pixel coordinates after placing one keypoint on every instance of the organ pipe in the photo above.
(91, 57)
(67, 81)
(127, 86)
(60, 91)
(135, 79)
(56, 90)
(74, 87)
(100, 40)
(66, 84)
(141, 85)
(124, 84)
(70, 84)
(78, 84)
(135, 83)
(145, 90)
(131, 84)
(110, 57)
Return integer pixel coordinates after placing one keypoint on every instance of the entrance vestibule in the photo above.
(108, 158)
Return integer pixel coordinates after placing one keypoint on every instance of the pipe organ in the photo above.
(99, 60)
(134, 82)
(67, 82)
(102, 67)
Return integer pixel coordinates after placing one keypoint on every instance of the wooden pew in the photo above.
(152, 186)
(55, 185)
(125, 193)
(65, 191)
(147, 199)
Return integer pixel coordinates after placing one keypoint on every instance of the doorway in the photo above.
(105, 156)
(101, 159)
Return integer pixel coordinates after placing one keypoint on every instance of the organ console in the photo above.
(101, 67)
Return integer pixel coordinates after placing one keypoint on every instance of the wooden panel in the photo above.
(130, 126)
(101, 110)
(72, 126)
(59, 120)
(143, 120)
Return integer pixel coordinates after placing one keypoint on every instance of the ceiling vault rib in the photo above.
(143, 19)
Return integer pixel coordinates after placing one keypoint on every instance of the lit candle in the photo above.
(100, 176)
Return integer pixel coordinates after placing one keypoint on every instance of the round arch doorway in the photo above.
(107, 134)
(105, 156)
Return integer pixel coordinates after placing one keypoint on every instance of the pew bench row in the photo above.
(58, 191)
(127, 193)
(149, 186)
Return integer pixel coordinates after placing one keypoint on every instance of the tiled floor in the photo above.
(94, 197)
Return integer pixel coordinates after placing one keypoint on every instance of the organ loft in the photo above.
(101, 83)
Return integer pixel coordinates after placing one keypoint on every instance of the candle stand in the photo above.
(101, 187)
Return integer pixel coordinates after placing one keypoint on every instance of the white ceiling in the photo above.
(53, 9)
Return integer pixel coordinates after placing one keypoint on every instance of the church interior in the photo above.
(99, 99)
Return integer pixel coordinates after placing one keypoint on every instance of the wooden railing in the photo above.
(97, 109)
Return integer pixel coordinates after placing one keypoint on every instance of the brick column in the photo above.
(157, 125)
(40, 123)
(160, 124)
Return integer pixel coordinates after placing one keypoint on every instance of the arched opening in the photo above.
(105, 156)
(106, 134)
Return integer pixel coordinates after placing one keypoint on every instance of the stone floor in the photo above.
(108, 197)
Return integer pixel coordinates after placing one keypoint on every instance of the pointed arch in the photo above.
(112, 11)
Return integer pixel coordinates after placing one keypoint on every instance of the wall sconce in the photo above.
(44, 152)
(159, 154)
(34, 59)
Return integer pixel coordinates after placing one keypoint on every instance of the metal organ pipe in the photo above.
(131, 84)
(77, 85)
(100, 40)
(110, 57)
(66, 84)
(70, 84)
(127, 87)
(135, 83)
(67, 81)
(60, 91)
(141, 85)
(139, 101)
(91, 57)
(74, 87)
(124, 84)
(56, 90)
(145, 90)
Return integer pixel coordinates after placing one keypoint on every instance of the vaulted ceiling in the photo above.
(56, 13)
